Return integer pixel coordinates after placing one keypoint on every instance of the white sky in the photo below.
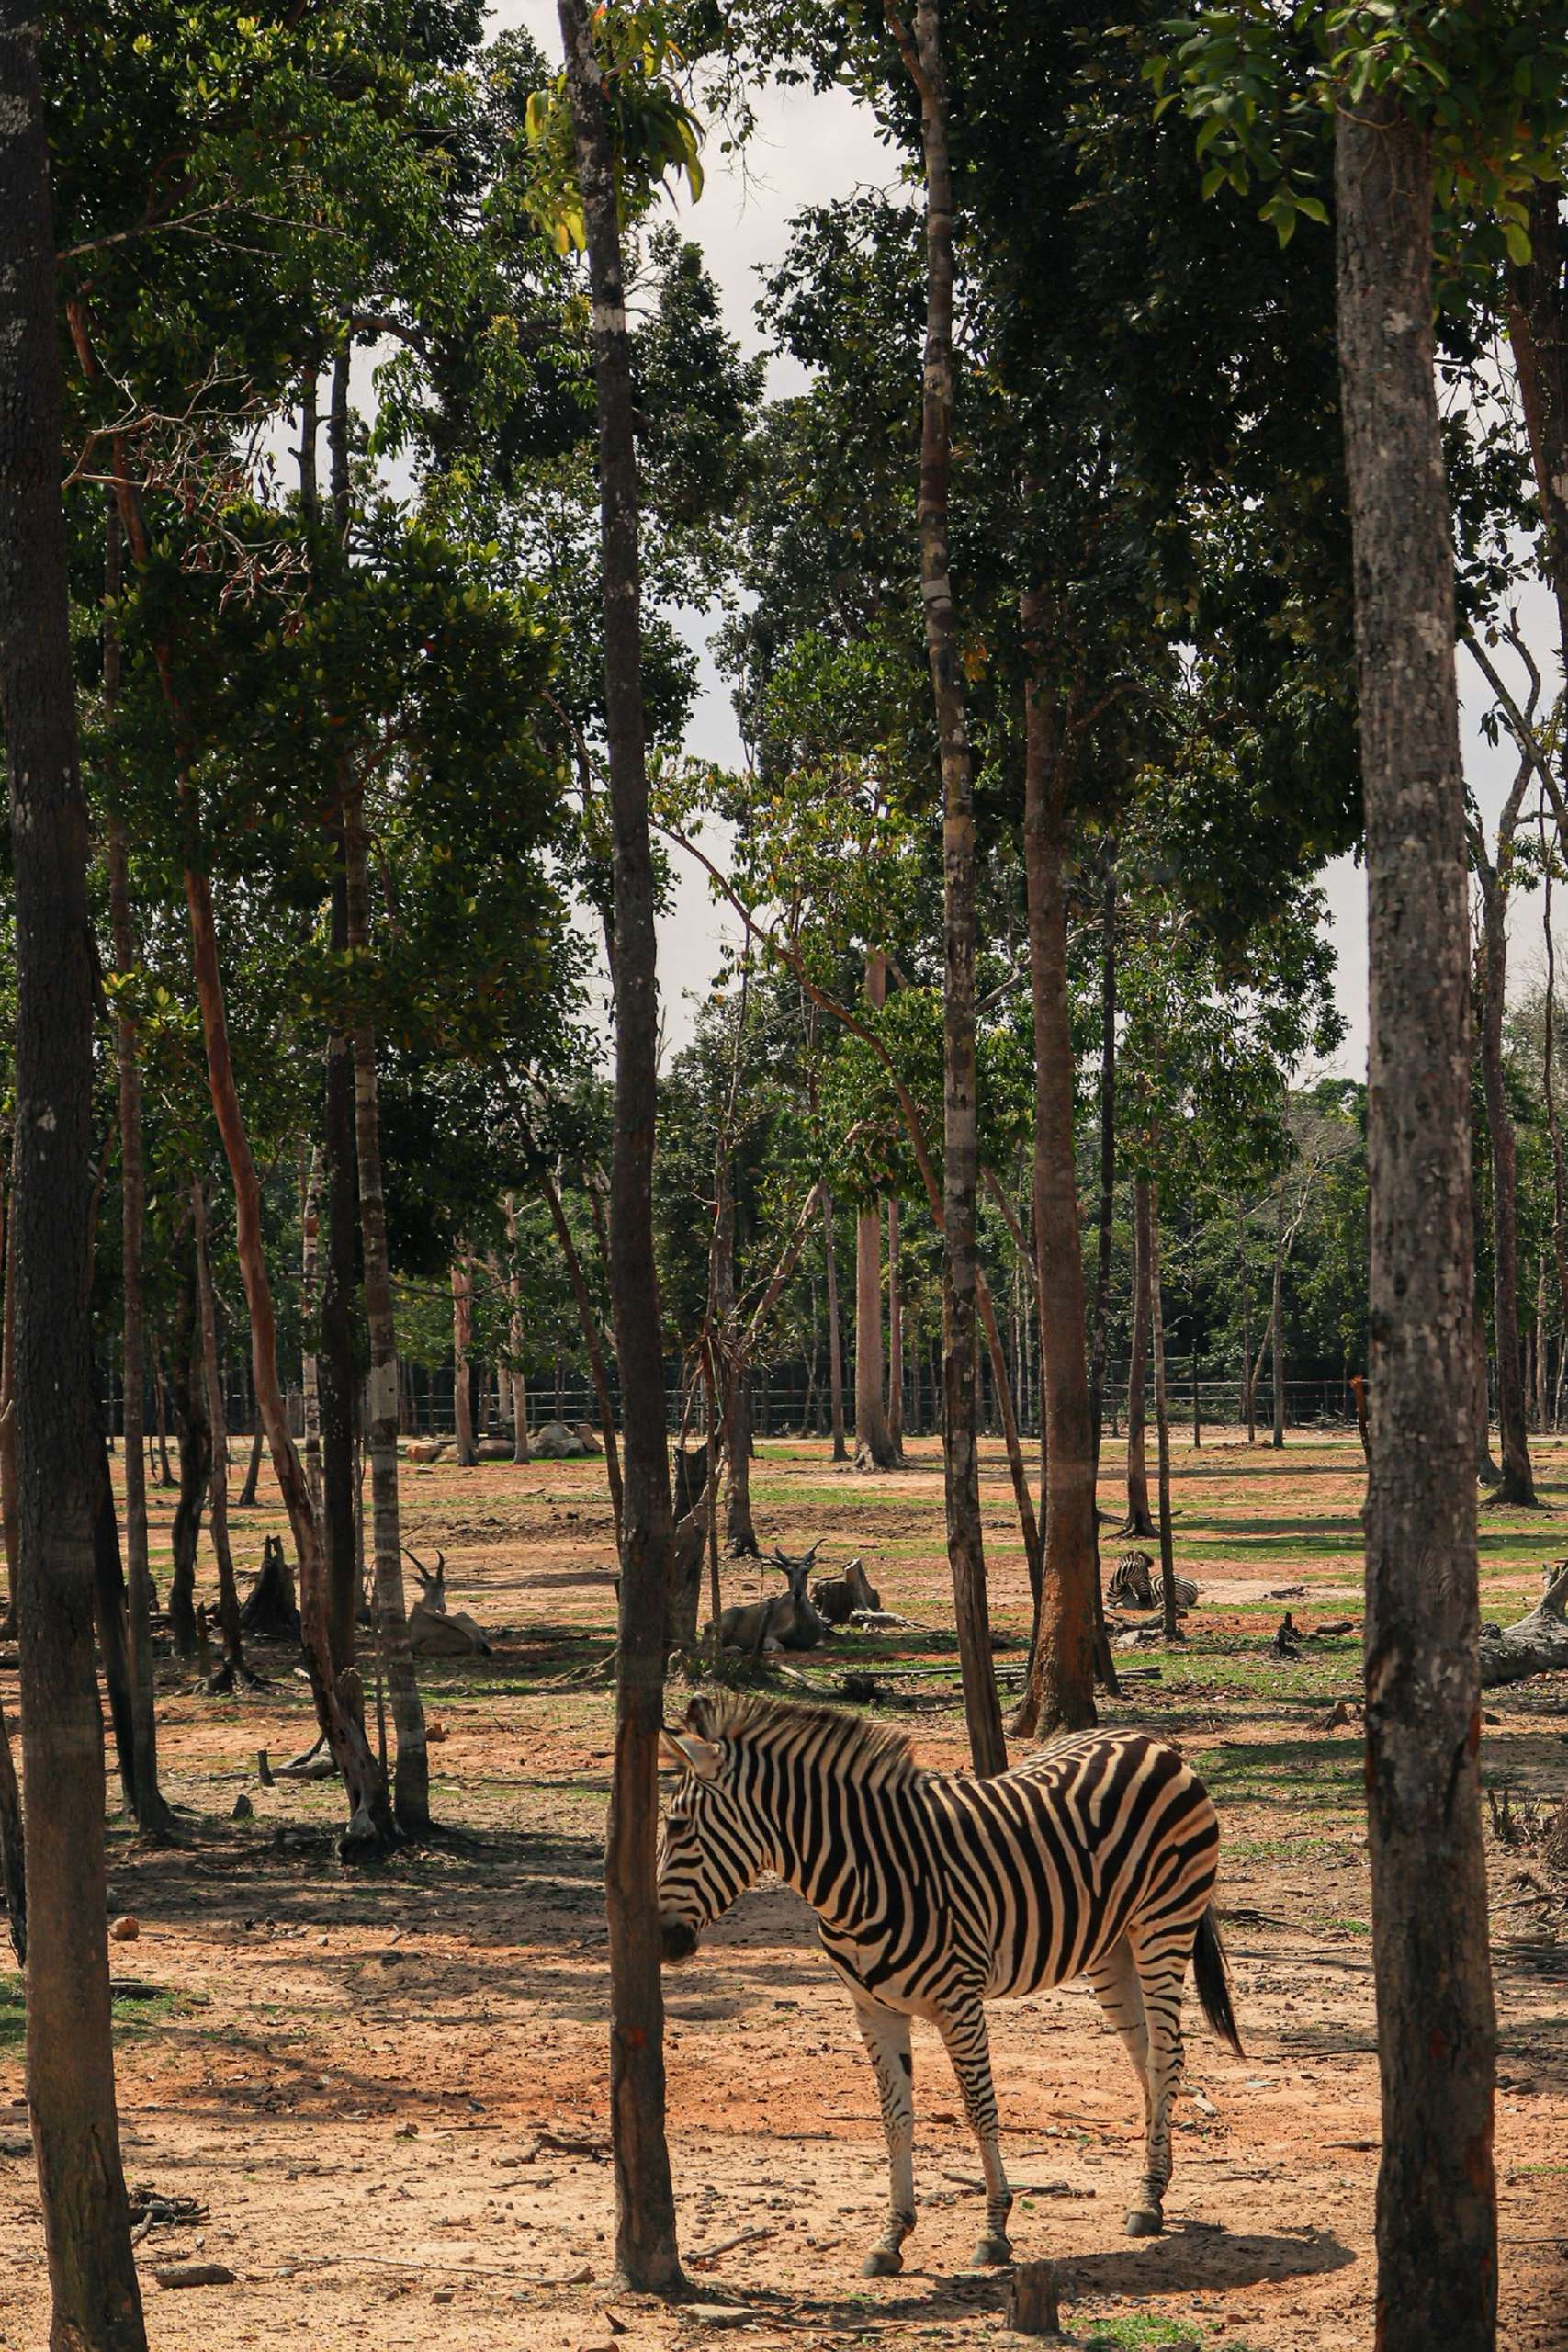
(812, 150)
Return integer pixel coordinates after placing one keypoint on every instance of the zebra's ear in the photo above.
(702, 1757)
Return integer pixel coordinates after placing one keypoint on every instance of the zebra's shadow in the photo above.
(1188, 2257)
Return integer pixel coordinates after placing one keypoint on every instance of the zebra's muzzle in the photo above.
(678, 1939)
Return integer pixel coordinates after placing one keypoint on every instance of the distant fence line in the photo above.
(787, 1400)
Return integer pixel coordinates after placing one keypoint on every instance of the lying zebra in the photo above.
(936, 1892)
(1136, 1583)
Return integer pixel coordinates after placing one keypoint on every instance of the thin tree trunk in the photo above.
(1437, 2198)
(252, 1468)
(338, 1373)
(310, 1314)
(340, 1707)
(735, 1393)
(411, 1777)
(873, 1439)
(1277, 1318)
(1062, 1671)
(1518, 1487)
(1172, 1631)
(1553, 1120)
(217, 1415)
(1138, 1521)
(462, 1385)
(1105, 1222)
(961, 1157)
(108, 1598)
(150, 1810)
(835, 1332)
(1248, 1384)
(1540, 1350)
(894, 1331)
(646, 2253)
(588, 1325)
(95, 2302)
(161, 1392)
(188, 1394)
(515, 1372)
(9, 1520)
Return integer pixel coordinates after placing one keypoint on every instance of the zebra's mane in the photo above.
(849, 1745)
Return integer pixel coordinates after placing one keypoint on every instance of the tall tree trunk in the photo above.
(645, 2253)
(1172, 1630)
(961, 1458)
(1518, 1487)
(895, 1330)
(462, 1383)
(150, 1810)
(1249, 1385)
(338, 1371)
(218, 1420)
(108, 1597)
(97, 2305)
(835, 1332)
(1062, 1669)
(1538, 330)
(1106, 1219)
(735, 1375)
(873, 1439)
(1138, 1521)
(252, 1468)
(1553, 1119)
(410, 1777)
(1437, 2198)
(311, 1314)
(9, 1508)
(339, 1697)
(1539, 1351)
(515, 1374)
(588, 1325)
(1277, 1318)
(195, 1433)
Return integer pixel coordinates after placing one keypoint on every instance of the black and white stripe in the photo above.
(1136, 1583)
(937, 1892)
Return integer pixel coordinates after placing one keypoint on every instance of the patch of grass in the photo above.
(1138, 2329)
(133, 2013)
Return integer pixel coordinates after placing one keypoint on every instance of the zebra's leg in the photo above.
(887, 2037)
(963, 2032)
(1115, 1980)
(1161, 1966)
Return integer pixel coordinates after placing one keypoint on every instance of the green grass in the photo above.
(133, 2013)
(1138, 2329)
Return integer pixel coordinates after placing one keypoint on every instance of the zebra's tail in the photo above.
(1212, 1979)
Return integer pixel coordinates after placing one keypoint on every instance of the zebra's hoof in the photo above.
(991, 2254)
(1145, 2221)
(882, 2262)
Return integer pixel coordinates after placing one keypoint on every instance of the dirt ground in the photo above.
(387, 2089)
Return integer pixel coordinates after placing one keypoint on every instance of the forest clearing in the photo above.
(386, 2093)
(782, 1139)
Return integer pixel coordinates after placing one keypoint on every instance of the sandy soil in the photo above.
(387, 2089)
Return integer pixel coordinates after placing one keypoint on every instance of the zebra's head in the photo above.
(712, 1846)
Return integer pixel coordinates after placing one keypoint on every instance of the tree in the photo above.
(95, 2297)
(646, 2253)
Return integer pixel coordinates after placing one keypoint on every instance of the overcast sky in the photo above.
(810, 149)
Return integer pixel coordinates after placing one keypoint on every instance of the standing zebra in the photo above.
(936, 1892)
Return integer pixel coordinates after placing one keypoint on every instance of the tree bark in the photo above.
(835, 1334)
(735, 1376)
(217, 1415)
(646, 2253)
(1248, 1386)
(462, 1334)
(1436, 2207)
(873, 1439)
(150, 1810)
(1062, 1669)
(194, 1430)
(108, 1597)
(410, 1776)
(1138, 1521)
(1518, 1487)
(95, 2302)
(1169, 1624)
(894, 1331)
(338, 1371)
(1277, 1318)
(247, 1500)
(309, 1315)
(1105, 1222)
(960, 1155)
(9, 1509)
(1553, 1118)
(515, 1374)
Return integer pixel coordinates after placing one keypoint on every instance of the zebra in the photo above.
(1136, 1583)
(935, 1891)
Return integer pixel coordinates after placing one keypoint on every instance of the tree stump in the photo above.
(1032, 2306)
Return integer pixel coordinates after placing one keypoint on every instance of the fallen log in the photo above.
(1534, 1645)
